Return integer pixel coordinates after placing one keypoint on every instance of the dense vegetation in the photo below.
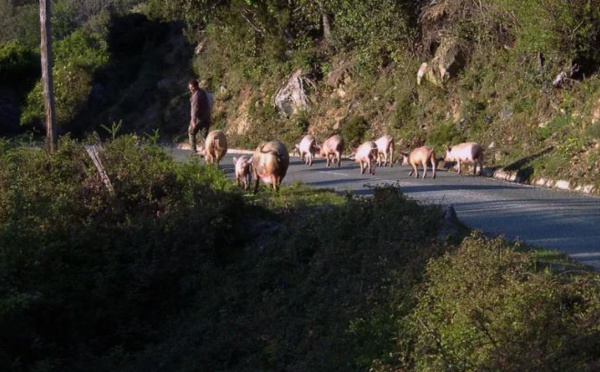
(169, 267)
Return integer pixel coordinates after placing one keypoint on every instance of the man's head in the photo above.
(193, 85)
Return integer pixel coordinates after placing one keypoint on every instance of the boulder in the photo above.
(447, 62)
(292, 98)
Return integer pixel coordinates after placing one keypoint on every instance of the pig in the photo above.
(468, 152)
(332, 148)
(420, 155)
(385, 151)
(365, 156)
(215, 147)
(307, 149)
(243, 168)
(270, 163)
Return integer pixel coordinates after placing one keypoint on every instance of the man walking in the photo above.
(199, 115)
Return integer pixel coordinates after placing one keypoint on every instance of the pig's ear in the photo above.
(234, 160)
(448, 148)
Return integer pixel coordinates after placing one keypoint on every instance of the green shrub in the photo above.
(78, 57)
(407, 109)
(82, 267)
(566, 29)
(489, 307)
(353, 130)
(20, 21)
(357, 23)
(19, 65)
(314, 292)
(445, 135)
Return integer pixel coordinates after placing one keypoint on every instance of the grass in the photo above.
(296, 196)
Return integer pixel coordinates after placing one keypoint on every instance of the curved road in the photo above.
(545, 218)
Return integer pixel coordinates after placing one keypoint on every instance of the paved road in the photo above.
(546, 218)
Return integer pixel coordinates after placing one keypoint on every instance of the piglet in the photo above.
(307, 149)
(421, 155)
(215, 147)
(243, 167)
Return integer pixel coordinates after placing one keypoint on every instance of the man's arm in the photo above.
(195, 106)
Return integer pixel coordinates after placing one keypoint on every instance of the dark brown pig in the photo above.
(365, 156)
(385, 151)
(215, 147)
(332, 148)
(468, 152)
(270, 164)
(307, 149)
(421, 155)
(243, 169)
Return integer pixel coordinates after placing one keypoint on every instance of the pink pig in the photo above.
(365, 156)
(307, 149)
(420, 155)
(215, 147)
(468, 152)
(270, 163)
(385, 151)
(243, 167)
(332, 147)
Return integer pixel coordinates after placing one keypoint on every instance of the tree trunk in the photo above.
(326, 22)
(47, 83)
(326, 27)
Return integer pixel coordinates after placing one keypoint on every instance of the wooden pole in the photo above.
(47, 83)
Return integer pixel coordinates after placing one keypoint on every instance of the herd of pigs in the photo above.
(270, 160)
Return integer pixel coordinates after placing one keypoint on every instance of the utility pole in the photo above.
(47, 83)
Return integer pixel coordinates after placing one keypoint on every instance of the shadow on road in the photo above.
(335, 182)
(445, 187)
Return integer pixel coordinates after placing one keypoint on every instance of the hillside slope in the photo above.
(521, 79)
(527, 91)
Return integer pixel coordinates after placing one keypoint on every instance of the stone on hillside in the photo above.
(292, 98)
(422, 71)
(449, 58)
(446, 63)
(427, 71)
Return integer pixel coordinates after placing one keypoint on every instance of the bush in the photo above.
(374, 30)
(557, 28)
(20, 21)
(445, 135)
(489, 307)
(19, 65)
(85, 269)
(353, 130)
(78, 57)
(311, 291)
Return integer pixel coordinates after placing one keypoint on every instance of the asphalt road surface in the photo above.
(561, 220)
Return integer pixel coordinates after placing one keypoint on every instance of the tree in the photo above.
(47, 83)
